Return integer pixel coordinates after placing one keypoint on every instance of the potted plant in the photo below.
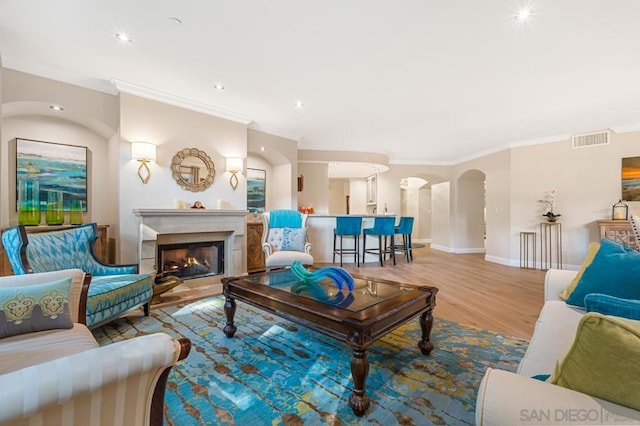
(549, 202)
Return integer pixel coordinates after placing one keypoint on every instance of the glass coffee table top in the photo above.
(366, 292)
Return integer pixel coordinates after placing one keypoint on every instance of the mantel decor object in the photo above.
(620, 211)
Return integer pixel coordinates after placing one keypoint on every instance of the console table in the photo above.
(550, 245)
(619, 231)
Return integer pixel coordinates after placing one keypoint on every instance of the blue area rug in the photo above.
(276, 372)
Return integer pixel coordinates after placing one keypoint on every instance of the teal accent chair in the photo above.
(405, 228)
(347, 226)
(114, 289)
(383, 228)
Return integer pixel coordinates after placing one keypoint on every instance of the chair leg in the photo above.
(380, 251)
(405, 246)
(341, 245)
(410, 248)
(356, 244)
(393, 250)
(145, 307)
(334, 248)
(364, 246)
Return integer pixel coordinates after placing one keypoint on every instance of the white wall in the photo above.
(338, 190)
(469, 213)
(173, 129)
(48, 129)
(316, 187)
(424, 225)
(282, 154)
(358, 196)
(497, 170)
(587, 182)
(441, 232)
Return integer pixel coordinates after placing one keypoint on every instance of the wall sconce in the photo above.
(300, 183)
(620, 211)
(235, 166)
(143, 152)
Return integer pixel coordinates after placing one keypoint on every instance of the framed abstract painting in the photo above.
(256, 189)
(57, 167)
(631, 179)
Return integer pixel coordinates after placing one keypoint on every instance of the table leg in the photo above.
(229, 312)
(359, 401)
(426, 324)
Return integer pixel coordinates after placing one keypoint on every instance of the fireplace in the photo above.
(162, 227)
(191, 260)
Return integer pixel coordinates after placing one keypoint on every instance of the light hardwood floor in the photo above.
(472, 291)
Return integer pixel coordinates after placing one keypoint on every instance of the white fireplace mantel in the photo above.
(229, 224)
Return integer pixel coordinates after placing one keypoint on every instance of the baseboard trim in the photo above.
(502, 260)
(470, 250)
(441, 248)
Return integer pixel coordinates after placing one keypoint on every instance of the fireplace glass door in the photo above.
(191, 260)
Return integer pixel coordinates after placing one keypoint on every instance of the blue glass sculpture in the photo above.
(336, 274)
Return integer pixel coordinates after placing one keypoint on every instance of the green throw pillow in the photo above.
(615, 271)
(591, 253)
(603, 360)
(35, 308)
(609, 305)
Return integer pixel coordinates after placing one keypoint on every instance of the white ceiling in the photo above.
(423, 81)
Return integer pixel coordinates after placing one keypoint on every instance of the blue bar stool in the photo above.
(347, 226)
(383, 226)
(405, 228)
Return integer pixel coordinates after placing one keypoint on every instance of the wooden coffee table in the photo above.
(374, 308)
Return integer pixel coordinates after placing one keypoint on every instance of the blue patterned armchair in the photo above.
(114, 289)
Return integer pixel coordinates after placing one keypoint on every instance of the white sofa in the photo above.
(63, 377)
(506, 398)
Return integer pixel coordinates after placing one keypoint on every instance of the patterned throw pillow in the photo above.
(293, 239)
(35, 308)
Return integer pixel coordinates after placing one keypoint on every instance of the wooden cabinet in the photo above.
(100, 247)
(619, 231)
(255, 255)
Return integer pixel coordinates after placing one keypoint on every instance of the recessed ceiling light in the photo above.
(176, 21)
(299, 104)
(124, 37)
(523, 15)
(218, 86)
(262, 148)
(56, 107)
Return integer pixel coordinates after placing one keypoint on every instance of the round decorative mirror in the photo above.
(193, 169)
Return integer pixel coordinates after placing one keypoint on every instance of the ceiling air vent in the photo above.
(591, 139)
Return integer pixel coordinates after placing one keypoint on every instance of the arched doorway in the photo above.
(415, 201)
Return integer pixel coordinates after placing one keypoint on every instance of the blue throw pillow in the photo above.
(33, 308)
(293, 239)
(615, 271)
(609, 305)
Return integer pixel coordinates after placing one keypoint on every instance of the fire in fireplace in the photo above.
(191, 260)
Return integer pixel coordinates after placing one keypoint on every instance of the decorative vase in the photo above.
(28, 202)
(55, 208)
(75, 212)
(551, 217)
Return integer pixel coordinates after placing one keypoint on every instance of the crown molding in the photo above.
(57, 75)
(626, 128)
(179, 101)
(274, 132)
